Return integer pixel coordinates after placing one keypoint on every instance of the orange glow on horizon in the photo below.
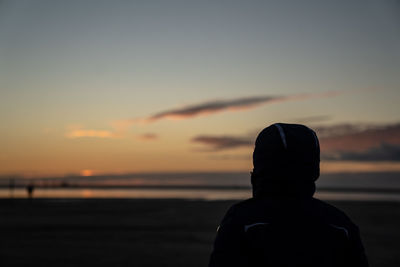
(87, 193)
(86, 173)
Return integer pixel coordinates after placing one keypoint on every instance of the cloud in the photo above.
(384, 152)
(360, 142)
(217, 106)
(120, 127)
(312, 119)
(231, 157)
(356, 142)
(357, 137)
(218, 143)
(148, 136)
(344, 129)
(90, 133)
(211, 107)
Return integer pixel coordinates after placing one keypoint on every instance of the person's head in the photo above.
(286, 161)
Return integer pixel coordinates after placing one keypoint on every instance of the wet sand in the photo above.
(152, 232)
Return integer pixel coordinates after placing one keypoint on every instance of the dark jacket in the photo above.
(287, 232)
(283, 225)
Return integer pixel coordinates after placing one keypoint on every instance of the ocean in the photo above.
(382, 186)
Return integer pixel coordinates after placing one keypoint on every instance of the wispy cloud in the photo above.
(356, 142)
(360, 142)
(383, 152)
(217, 106)
(90, 133)
(120, 127)
(357, 137)
(218, 143)
(211, 107)
(240, 157)
(312, 119)
(344, 129)
(148, 137)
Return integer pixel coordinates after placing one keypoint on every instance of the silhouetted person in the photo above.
(283, 225)
(11, 186)
(29, 190)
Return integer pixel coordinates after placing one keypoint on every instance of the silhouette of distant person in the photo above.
(29, 189)
(282, 225)
(11, 187)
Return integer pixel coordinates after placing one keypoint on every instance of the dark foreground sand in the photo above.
(135, 232)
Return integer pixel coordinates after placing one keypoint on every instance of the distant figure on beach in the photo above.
(29, 190)
(283, 224)
(11, 186)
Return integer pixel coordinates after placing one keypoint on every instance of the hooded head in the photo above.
(286, 161)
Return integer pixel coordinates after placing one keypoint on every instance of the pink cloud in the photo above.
(218, 143)
(357, 138)
(217, 106)
(354, 142)
(148, 136)
(90, 133)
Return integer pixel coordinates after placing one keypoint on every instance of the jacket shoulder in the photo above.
(238, 211)
(330, 209)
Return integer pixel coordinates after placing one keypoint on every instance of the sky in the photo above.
(94, 87)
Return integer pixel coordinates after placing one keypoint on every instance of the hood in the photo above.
(286, 161)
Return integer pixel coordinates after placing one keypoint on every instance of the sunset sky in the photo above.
(92, 87)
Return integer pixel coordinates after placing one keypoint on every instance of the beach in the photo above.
(151, 232)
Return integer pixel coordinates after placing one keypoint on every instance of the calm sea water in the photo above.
(349, 186)
(201, 194)
(194, 194)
